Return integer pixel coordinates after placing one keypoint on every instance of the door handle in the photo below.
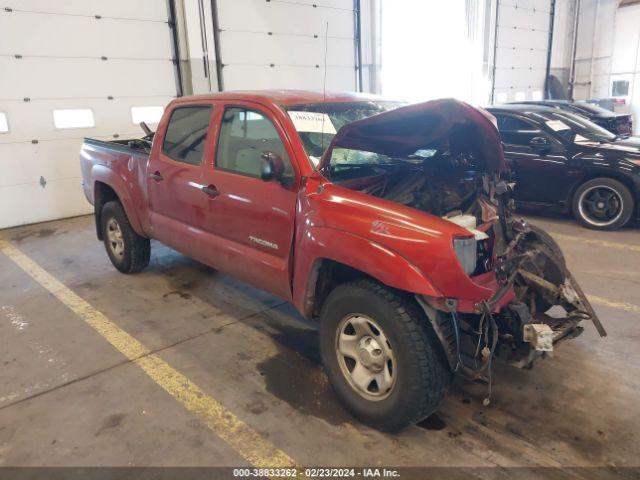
(157, 176)
(211, 190)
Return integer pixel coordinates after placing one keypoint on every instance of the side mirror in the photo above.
(272, 166)
(541, 144)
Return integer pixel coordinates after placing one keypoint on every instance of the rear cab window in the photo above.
(186, 134)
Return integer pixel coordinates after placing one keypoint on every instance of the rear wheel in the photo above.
(128, 251)
(603, 204)
(382, 359)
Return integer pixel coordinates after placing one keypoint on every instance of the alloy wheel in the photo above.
(600, 205)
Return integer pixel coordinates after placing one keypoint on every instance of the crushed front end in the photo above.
(536, 303)
(445, 158)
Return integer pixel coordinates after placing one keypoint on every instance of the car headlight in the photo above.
(466, 252)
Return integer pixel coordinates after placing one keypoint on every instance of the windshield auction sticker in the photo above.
(312, 122)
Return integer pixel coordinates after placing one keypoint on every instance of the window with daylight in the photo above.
(73, 118)
(4, 123)
(620, 88)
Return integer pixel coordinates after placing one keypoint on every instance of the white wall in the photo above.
(608, 49)
(625, 63)
(595, 48)
(562, 47)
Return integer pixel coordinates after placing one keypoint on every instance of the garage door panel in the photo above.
(521, 58)
(73, 77)
(24, 163)
(538, 5)
(277, 50)
(92, 38)
(288, 77)
(522, 38)
(258, 15)
(34, 120)
(61, 44)
(521, 54)
(43, 203)
(519, 79)
(152, 10)
(523, 18)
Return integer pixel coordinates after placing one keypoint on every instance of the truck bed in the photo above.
(117, 165)
(131, 146)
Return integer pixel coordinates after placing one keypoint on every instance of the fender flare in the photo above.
(318, 244)
(103, 174)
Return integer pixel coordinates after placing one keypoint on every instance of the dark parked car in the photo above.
(617, 123)
(562, 161)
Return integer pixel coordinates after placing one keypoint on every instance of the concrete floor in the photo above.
(67, 397)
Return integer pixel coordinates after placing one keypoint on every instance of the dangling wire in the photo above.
(454, 317)
(490, 342)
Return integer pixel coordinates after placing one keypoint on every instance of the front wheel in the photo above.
(603, 204)
(380, 355)
(128, 251)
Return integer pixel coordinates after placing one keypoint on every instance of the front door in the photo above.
(253, 220)
(537, 160)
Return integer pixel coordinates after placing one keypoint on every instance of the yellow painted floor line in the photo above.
(594, 241)
(237, 434)
(629, 307)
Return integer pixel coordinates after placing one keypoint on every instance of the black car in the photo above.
(617, 123)
(562, 161)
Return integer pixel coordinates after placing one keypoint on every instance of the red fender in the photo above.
(377, 261)
(101, 173)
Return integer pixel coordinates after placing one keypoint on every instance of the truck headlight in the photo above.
(466, 252)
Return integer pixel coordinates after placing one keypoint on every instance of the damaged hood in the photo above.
(445, 123)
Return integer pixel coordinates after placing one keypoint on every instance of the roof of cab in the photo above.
(284, 97)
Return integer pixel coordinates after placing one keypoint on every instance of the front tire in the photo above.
(381, 357)
(128, 251)
(603, 204)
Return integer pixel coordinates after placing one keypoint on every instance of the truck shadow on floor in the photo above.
(294, 375)
(520, 400)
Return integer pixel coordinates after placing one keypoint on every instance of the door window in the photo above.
(244, 136)
(186, 134)
(515, 131)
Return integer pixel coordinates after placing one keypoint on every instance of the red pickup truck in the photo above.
(391, 225)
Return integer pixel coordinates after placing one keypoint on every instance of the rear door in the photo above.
(537, 160)
(253, 220)
(178, 176)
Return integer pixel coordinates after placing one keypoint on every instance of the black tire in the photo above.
(134, 251)
(538, 235)
(585, 210)
(422, 373)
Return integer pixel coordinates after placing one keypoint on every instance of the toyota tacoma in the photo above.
(390, 225)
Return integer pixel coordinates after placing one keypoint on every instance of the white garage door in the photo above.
(287, 44)
(73, 69)
(273, 44)
(521, 49)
